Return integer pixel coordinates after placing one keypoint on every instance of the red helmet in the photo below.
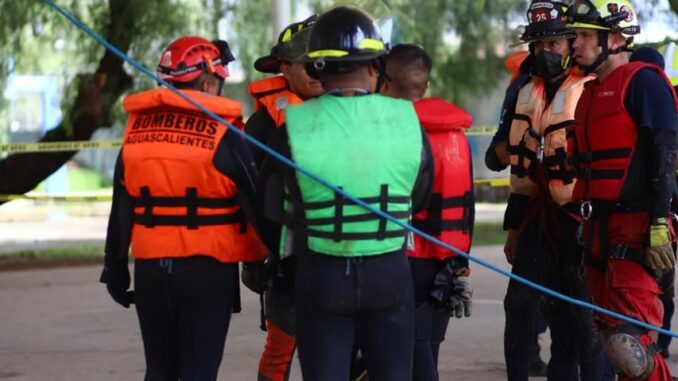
(188, 57)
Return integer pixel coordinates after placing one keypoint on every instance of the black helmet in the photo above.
(546, 20)
(291, 46)
(344, 34)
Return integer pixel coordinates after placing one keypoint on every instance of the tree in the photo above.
(461, 36)
(28, 31)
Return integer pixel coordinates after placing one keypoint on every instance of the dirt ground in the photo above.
(59, 324)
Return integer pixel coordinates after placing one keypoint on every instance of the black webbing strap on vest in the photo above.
(338, 219)
(523, 152)
(599, 174)
(559, 158)
(192, 220)
(601, 213)
(434, 223)
(558, 126)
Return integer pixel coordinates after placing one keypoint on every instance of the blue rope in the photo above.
(357, 201)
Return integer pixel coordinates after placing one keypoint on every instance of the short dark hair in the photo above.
(411, 55)
(409, 68)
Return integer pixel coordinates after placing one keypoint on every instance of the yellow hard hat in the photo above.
(613, 15)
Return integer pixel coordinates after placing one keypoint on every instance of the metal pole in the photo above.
(281, 16)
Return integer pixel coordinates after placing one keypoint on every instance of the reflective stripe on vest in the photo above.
(606, 136)
(670, 53)
(448, 216)
(273, 95)
(371, 147)
(183, 206)
(538, 136)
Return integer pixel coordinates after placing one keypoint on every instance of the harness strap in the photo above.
(191, 202)
(558, 126)
(190, 223)
(522, 151)
(338, 218)
(559, 160)
(602, 212)
(434, 223)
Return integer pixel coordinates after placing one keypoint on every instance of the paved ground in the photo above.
(59, 324)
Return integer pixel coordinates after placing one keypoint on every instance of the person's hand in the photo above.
(117, 281)
(659, 251)
(452, 290)
(255, 276)
(510, 245)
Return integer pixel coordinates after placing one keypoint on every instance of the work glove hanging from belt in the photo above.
(452, 290)
(255, 276)
(659, 252)
(117, 279)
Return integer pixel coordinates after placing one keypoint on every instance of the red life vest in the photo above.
(448, 216)
(183, 205)
(273, 95)
(605, 137)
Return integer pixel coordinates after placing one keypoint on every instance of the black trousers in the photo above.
(430, 323)
(365, 301)
(576, 350)
(184, 308)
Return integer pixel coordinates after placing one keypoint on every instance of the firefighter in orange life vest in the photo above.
(540, 217)
(623, 149)
(181, 199)
(441, 285)
(272, 95)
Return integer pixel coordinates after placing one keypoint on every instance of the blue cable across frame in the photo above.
(355, 200)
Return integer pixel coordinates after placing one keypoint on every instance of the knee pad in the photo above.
(629, 356)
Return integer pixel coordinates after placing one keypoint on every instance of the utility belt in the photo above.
(598, 212)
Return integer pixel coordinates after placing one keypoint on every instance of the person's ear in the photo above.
(285, 69)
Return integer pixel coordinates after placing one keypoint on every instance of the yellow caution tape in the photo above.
(59, 146)
(481, 130)
(44, 197)
(492, 182)
(78, 145)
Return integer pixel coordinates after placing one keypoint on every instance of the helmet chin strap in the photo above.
(602, 42)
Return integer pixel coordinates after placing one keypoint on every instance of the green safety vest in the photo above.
(371, 147)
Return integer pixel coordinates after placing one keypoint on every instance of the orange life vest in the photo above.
(273, 95)
(183, 205)
(538, 137)
(448, 216)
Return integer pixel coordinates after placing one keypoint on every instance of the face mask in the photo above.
(548, 65)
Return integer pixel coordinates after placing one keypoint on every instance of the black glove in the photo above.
(452, 290)
(255, 276)
(117, 281)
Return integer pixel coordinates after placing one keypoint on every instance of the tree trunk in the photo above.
(91, 109)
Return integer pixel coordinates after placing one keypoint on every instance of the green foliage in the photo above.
(252, 24)
(461, 36)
